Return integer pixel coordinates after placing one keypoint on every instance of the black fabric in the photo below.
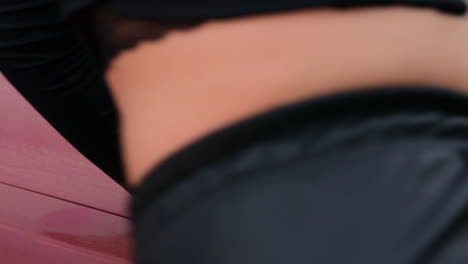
(122, 24)
(376, 176)
(202, 9)
(54, 67)
(115, 33)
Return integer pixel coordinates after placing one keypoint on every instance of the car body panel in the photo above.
(35, 157)
(56, 207)
(35, 228)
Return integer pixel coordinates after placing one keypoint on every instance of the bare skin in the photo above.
(173, 91)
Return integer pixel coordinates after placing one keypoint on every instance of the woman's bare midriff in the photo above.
(173, 91)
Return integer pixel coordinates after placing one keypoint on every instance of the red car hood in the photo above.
(34, 157)
(56, 206)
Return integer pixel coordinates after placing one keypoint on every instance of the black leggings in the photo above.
(52, 65)
(375, 176)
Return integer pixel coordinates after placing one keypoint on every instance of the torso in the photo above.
(173, 91)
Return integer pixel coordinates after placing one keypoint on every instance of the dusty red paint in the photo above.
(56, 207)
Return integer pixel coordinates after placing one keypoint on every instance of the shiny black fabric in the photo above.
(378, 176)
(199, 9)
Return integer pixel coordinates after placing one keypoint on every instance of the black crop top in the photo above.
(153, 19)
(201, 9)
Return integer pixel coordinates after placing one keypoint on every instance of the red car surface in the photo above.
(55, 206)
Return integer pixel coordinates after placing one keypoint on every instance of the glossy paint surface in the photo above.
(55, 206)
(35, 157)
(38, 229)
